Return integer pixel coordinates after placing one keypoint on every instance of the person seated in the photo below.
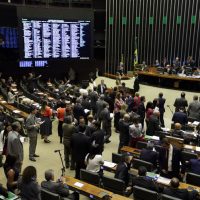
(122, 169)
(180, 117)
(157, 64)
(93, 160)
(174, 191)
(177, 132)
(194, 165)
(149, 155)
(143, 181)
(27, 184)
(56, 187)
(11, 172)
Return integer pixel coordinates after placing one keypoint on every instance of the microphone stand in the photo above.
(63, 167)
(170, 109)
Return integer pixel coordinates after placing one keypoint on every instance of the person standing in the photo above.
(80, 146)
(68, 130)
(32, 126)
(14, 146)
(136, 85)
(141, 110)
(161, 106)
(181, 102)
(102, 87)
(46, 127)
(60, 116)
(11, 96)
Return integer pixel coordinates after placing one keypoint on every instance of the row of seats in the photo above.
(140, 193)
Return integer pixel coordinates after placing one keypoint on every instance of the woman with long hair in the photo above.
(28, 186)
(46, 127)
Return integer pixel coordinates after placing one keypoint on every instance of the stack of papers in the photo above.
(109, 164)
(78, 184)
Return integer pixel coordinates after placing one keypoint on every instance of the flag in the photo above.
(135, 53)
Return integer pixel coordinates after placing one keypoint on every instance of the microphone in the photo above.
(57, 150)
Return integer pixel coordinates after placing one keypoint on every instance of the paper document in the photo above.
(86, 111)
(109, 164)
(111, 115)
(195, 123)
(164, 181)
(78, 184)
(16, 111)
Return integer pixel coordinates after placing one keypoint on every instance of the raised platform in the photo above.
(114, 76)
(154, 78)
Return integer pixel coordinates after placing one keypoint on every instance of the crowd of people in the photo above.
(85, 125)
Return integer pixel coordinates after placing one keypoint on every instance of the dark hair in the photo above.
(82, 128)
(68, 120)
(5, 132)
(62, 104)
(44, 104)
(29, 174)
(174, 182)
(149, 105)
(195, 98)
(92, 154)
(160, 94)
(142, 98)
(182, 94)
(142, 171)
(97, 124)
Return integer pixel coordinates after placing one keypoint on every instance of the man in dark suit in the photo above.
(102, 87)
(106, 121)
(169, 160)
(161, 106)
(136, 85)
(174, 191)
(194, 109)
(141, 110)
(99, 106)
(80, 146)
(122, 170)
(56, 187)
(124, 131)
(32, 126)
(149, 155)
(154, 124)
(180, 102)
(143, 181)
(180, 117)
(78, 110)
(93, 96)
(97, 138)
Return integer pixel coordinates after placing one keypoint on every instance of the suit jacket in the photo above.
(141, 110)
(124, 132)
(122, 172)
(15, 146)
(178, 193)
(68, 131)
(99, 88)
(99, 107)
(80, 146)
(78, 111)
(153, 126)
(136, 85)
(149, 156)
(161, 104)
(145, 182)
(56, 187)
(180, 102)
(180, 117)
(195, 166)
(32, 131)
(176, 159)
(194, 110)
(98, 137)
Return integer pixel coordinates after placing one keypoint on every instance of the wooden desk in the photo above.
(133, 151)
(88, 189)
(11, 108)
